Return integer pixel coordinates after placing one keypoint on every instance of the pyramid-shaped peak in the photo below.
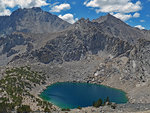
(110, 16)
(107, 18)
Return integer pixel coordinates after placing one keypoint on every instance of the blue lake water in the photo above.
(73, 95)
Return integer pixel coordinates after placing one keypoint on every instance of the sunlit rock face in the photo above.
(33, 20)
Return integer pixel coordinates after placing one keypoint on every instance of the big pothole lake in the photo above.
(72, 95)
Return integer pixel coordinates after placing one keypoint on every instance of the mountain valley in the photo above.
(103, 51)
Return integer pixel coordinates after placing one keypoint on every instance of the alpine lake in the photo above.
(72, 95)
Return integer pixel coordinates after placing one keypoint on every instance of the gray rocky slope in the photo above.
(33, 20)
(105, 51)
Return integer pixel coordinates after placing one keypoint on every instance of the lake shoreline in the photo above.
(128, 107)
(76, 83)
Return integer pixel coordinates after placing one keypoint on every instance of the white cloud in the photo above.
(68, 17)
(140, 27)
(86, 1)
(58, 8)
(142, 20)
(120, 7)
(136, 15)
(123, 17)
(4, 4)
(148, 15)
(4, 11)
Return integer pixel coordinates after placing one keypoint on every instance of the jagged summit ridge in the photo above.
(23, 11)
(32, 20)
(117, 28)
(108, 18)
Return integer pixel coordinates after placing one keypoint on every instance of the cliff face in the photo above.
(107, 34)
(77, 41)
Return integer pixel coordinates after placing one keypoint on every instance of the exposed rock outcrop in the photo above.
(33, 20)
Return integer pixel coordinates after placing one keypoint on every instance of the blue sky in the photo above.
(133, 12)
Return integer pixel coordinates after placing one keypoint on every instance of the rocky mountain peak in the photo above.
(82, 20)
(27, 10)
(109, 19)
(117, 28)
(81, 24)
(32, 20)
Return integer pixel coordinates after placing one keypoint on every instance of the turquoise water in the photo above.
(73, 95)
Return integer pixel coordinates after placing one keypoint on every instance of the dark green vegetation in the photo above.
(99, 103)
(16, 86)
(65, 109)
(6, 107)
(79, 107)
(24, 108)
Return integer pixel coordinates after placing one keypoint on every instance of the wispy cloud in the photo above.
(5, 4)
(122, 16)
(59, 8)
(121, 8)
(136, 15)
(142, 20)
(140, 27)
(68, 17)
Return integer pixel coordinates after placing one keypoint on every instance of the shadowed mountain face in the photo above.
(33, 20)
(78, 40)
(106, 33)
(113, 26)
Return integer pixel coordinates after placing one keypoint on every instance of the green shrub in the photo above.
(24, 109)
(98, 103)
(6, 107)
(79, 107)
(107, 101)
(65, 109)
(47, 110)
